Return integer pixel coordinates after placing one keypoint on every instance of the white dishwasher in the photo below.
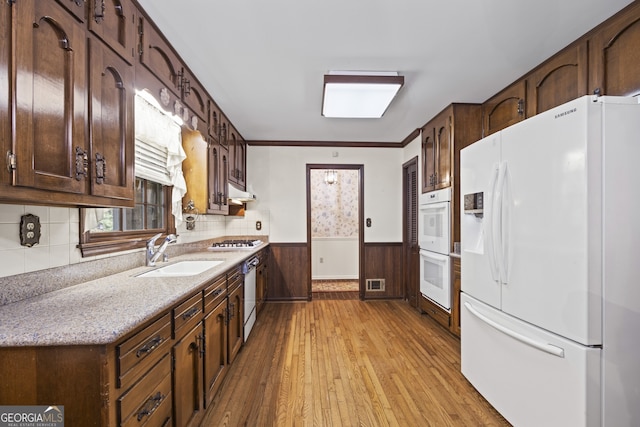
(249, 271)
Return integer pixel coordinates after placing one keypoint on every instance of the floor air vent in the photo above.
(375, 284)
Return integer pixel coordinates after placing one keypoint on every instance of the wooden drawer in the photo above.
(235, 278)
(138, 354)
(187, 315)
(435, 311)
(214, 293)
(148, 403)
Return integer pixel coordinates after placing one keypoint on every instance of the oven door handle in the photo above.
(433, 255)
(434, 206)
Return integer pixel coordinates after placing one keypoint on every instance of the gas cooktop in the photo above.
(232, 245)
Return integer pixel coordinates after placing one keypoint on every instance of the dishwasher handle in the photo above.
(250, 264)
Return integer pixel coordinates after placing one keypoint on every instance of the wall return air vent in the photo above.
(375, 285)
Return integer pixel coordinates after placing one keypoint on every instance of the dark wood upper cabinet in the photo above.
(214, 120)
(70, 121)
(436, 145)
(237, 149)
(428, 157)
(614, 55)
(78, 8)
(505, 108)
(218, 178)
(158, 57)
(443, 137)
(444, 142)
(112, 129)
(241, 161)
(558, 80)
(114, 21)
(194, 97)
(50, 98)
(5, 55)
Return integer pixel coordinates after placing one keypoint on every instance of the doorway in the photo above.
(335, 231)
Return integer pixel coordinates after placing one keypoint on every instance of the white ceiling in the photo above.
(263, 61)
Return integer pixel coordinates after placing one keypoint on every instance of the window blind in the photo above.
(151, 162)
(154, 128)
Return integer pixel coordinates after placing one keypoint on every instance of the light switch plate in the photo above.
(29, 230)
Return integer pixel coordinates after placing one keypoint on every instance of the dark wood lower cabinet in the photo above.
(215, 360)
(236, 321)
(187, 374)
(164, 373)
(70, 376)
(149, 401)
(434, 311)
(456, 283)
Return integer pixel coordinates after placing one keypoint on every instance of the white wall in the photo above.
(334, 258)
(277, 175)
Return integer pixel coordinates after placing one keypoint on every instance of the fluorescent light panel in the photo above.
(363, 95)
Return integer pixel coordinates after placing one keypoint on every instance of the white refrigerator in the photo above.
(550, 239)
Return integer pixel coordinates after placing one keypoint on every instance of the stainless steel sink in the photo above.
(182, 268)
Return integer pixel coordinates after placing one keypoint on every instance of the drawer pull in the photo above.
(189, 314)
(150, 405)
(149, 346)
(217, 292)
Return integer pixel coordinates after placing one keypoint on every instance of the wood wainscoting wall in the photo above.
(289, 266)
(384, 261)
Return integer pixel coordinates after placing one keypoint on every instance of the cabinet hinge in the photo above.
(11, 2)
(520, 107)
(11, 161)
(140, 38)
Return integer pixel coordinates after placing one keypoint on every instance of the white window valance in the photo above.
(158, 150)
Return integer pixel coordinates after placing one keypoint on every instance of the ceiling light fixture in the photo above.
(357, 94)
(330, 176)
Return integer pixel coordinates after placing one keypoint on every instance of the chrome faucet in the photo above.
(152, 254)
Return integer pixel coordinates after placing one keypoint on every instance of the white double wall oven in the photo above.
(434, 230)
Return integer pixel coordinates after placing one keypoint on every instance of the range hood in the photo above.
(238, 196)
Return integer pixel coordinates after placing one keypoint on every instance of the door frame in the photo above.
(360, 169)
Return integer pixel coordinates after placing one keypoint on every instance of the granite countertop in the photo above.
(103, 310)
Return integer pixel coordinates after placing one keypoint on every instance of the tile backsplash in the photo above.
(60, 235)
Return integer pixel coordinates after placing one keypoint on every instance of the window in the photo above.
(158, 170)
(109, 230)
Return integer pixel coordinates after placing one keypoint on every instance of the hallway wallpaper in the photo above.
(334, 207)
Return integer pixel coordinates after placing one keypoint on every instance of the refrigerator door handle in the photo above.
(503, 203)
(490, 227)
(496, 222)
(547, 348)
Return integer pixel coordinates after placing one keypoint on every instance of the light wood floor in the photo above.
(348, 363)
